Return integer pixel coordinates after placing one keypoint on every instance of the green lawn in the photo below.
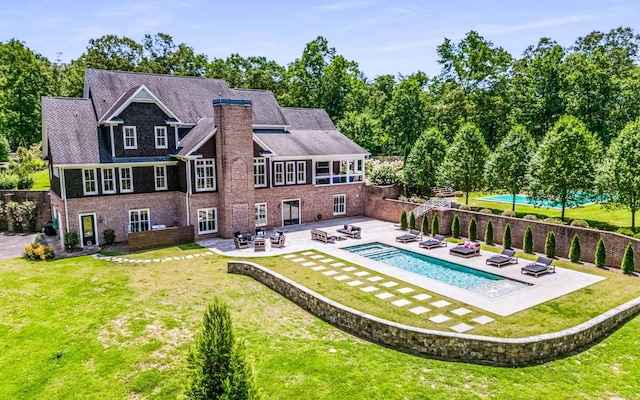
(596, 215)
(41, 180)
(86, 328)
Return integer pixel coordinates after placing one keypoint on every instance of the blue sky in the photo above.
(384, 37)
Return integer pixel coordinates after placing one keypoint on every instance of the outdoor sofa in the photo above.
(351, 231)
(436, 241)
(508, 256)
(541, 266)
(412, 236)
(317, 234)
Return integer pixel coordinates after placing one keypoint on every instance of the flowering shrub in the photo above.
(383, 172)
(16, 214)
(37, 252)
(29, 214)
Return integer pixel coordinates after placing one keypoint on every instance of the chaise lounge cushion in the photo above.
(467, 249)
(506, 257)
(413, 235)
(436, 241)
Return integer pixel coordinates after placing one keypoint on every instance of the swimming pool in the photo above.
(525, 200)
(476, 281)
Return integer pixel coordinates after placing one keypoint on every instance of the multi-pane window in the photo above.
(139, 220)
(126, 180)
(160, 175)
(291, 172)
(302, 172)
(205, 174)
(207, 220)
(129, 137)
(108, 181)
(259, 172)
(339, 204)
(89, 181)
(261, 214)
(278, 173)
(161, 137)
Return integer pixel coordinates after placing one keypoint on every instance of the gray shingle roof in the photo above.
(265, 107)
(311, 134)
(71, 129)
(195, 136)
(189, 98)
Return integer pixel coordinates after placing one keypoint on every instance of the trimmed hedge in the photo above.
(601, 254)
(574, 250)
(527, 242)
(550, 245)
(488, 235)
(455, 227)
(506, 238)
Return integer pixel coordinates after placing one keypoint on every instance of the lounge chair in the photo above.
(277, 240)
(412, 236)
(436, 241)
(507, 257)
(466, 249)
(241, 242)
(350, 230)
(541, 266)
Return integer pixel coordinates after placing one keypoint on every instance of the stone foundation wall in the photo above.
(442, 345)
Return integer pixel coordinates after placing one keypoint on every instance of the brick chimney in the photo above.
(234, 163)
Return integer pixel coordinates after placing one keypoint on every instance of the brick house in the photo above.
(143, 151)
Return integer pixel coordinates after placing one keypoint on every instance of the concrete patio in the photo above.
(542, 289)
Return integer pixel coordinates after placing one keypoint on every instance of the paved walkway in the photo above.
(11, 245)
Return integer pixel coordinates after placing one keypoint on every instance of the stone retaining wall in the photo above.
(448, 346)
(40, 197)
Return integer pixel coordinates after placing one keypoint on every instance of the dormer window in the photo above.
(161, 137)
(129, 137)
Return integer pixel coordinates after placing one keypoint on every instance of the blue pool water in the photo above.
(525, 200)
(476, 281)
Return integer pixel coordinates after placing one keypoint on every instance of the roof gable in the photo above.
(192, 141)
(140, 94)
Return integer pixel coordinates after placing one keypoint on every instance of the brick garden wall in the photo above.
(40, 197)
(442, 345)
(381, 205)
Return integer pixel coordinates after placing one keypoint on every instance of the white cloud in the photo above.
(543, 23)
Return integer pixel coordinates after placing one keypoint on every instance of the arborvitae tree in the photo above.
(550, 245)
(488, 234)
(628, 263)
(217, 368)
(574, 250)
(424, 227)
(473, 229)
(435, 227)
(403, 220)
(601, 254)
(506, 239)
(527, 242)
(412, 220)
(455, 227)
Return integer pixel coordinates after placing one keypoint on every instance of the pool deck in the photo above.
(544, 288)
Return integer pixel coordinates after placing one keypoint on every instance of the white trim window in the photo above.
(278, 173)
(291, 172)
(89, 181)
(339, 204)
(160, 177)
(160, 137)
(139, 220)
(302, 172)
(108, 181)
(207, 220)
(205, 174)
(126, 180)
(259, 172)
(129, 137)
(261, 214)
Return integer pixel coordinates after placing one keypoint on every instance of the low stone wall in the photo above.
(442, 345)
(40, 197)
(381, 204)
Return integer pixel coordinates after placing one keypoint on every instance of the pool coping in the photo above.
(529, 204)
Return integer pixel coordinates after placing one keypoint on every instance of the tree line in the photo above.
(595, 80)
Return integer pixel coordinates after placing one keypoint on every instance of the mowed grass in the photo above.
(86, 328)
(595, 214)
(41, 180)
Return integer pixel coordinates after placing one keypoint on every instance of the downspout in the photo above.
(188, 172)
(113, 145)
(64, 198)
